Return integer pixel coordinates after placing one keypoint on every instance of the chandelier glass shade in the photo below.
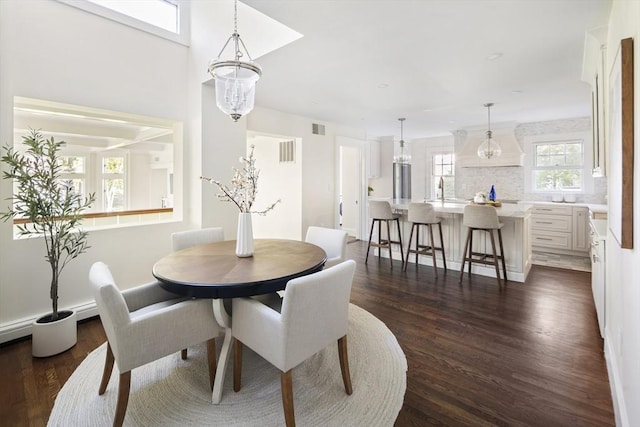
(489, 147)
(235, 79)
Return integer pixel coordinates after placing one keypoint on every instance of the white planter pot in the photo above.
(244, 242)
(52, 338)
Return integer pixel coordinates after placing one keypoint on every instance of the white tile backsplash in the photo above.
(509, 181)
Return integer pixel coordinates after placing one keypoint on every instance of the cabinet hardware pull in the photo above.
(543, 238)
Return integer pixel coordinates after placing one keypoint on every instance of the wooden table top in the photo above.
(214, 270)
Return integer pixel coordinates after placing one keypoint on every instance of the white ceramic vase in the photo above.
(55, 337)
(244, 241)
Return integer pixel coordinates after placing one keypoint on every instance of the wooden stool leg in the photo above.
(417, 243)
(464, 254)
(286, 386)
(433, 250)
(344, 364)
(495, 257)
(389, 243)
(399, 240)
(406, 262)
(504, 265)
(444, 258)
(373, 221)
(470, 249)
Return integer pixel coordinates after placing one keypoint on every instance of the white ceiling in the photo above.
(433, 57)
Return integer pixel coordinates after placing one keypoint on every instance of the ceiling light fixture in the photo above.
(235, 79)
(489, 148)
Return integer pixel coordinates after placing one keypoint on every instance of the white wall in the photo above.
(622, 339)
(277, 181)
(318, 156)
(56, 52)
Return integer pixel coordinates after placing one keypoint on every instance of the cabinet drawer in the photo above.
(551, 222)
(552, 210)
(551, 240)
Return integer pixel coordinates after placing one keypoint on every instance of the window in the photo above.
(125, 159)
(443, 167)
(113, 184)
(558, 165)
(163, 18)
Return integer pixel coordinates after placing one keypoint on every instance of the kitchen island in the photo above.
(516, 235)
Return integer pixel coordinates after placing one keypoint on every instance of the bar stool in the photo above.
(422, 214)
(482, 218)
(380, 211)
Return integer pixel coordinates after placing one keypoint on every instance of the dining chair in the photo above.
(184, 239)
(334, 243)
(288, 334)
(147, 323)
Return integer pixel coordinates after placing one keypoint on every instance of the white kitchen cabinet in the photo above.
(560, 229)
(598, 269)
(580, 232)
(373, 158)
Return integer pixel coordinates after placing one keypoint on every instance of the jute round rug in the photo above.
(175, 392)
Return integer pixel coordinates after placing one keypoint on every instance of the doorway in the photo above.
(351, 190)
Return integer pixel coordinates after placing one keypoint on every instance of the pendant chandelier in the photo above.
(235, 79)
(402, 154)
(489, 148)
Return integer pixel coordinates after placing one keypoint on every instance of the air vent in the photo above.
(287, 151)
(317, 129)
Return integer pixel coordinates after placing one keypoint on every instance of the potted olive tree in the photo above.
(48, 208)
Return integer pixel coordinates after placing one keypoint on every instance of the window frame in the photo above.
(587, 155)
(435, 178)
(182, 35)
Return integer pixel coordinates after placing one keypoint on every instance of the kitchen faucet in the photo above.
(441, 188)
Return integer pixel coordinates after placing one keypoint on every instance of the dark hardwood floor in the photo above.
(525, 354)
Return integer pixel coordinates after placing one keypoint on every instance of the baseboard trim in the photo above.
(617, 394)
(22, 328)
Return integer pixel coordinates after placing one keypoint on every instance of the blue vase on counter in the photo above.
(492, 194)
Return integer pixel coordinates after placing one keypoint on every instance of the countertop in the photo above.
(593, 207)
(507, 210)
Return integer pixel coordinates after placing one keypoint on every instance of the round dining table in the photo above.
(214, 271)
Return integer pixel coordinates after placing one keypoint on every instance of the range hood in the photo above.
(512, 154)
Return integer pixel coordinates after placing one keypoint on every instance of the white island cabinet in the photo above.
(516, 236)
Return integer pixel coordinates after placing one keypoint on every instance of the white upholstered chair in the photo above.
(314, 314)
(334, 243)
(147, 323)
(185, 239)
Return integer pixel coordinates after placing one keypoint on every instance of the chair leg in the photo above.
(211, 361)
(389, 243)
(344, 364)
(495, 256)
(373, 221)
(108, 368)
(444, 258)
(464, 254)
(399, 240)
(123, 398)
(183, 354)
(237, 365)
(504, 265)
(413, 225)
(286, 386)
(470, 249)
(433, 250)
